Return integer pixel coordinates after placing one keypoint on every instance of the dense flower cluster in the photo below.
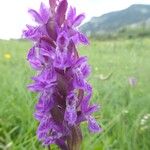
(64, 93)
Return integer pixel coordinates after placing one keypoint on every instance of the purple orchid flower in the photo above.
(61, 83)
(132, 81)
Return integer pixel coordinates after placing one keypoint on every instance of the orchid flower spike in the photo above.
(63, 90)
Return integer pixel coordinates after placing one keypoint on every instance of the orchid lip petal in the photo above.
(93, 125)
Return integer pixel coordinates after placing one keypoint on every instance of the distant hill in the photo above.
(136, 16)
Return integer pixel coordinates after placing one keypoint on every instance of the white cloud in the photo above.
(14, 16)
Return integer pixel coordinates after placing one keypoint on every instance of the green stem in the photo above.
(49, 148)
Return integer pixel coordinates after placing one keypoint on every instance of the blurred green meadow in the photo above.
(125, 108)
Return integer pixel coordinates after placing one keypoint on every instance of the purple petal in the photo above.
(83, 65)
(45, 104)
(72, 52)
(39, 106)
(36, 64)
(42, 135)
(71, 15)
(93, 125)
(85, 70)
(85, 102)
(70, 115)
(80, 61)
(34, 61)
(45, 13)
(45, 125)
(47, 76)
(53, 136)
(63, 40)
(48, 54)
(61, 12)
(51, 29)
(31, 55)
(32, 33)
(61, 60)
(36, 15)
(38, 116)
(62, 144)
(46, 41)
(78, 20)
(53, 4)
(45, 52)
(91, 109)
(83, 39)
(78, 81)
(35, 87)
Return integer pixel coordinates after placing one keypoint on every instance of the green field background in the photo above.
(125, 109)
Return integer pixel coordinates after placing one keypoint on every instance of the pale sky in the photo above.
(14, 16)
